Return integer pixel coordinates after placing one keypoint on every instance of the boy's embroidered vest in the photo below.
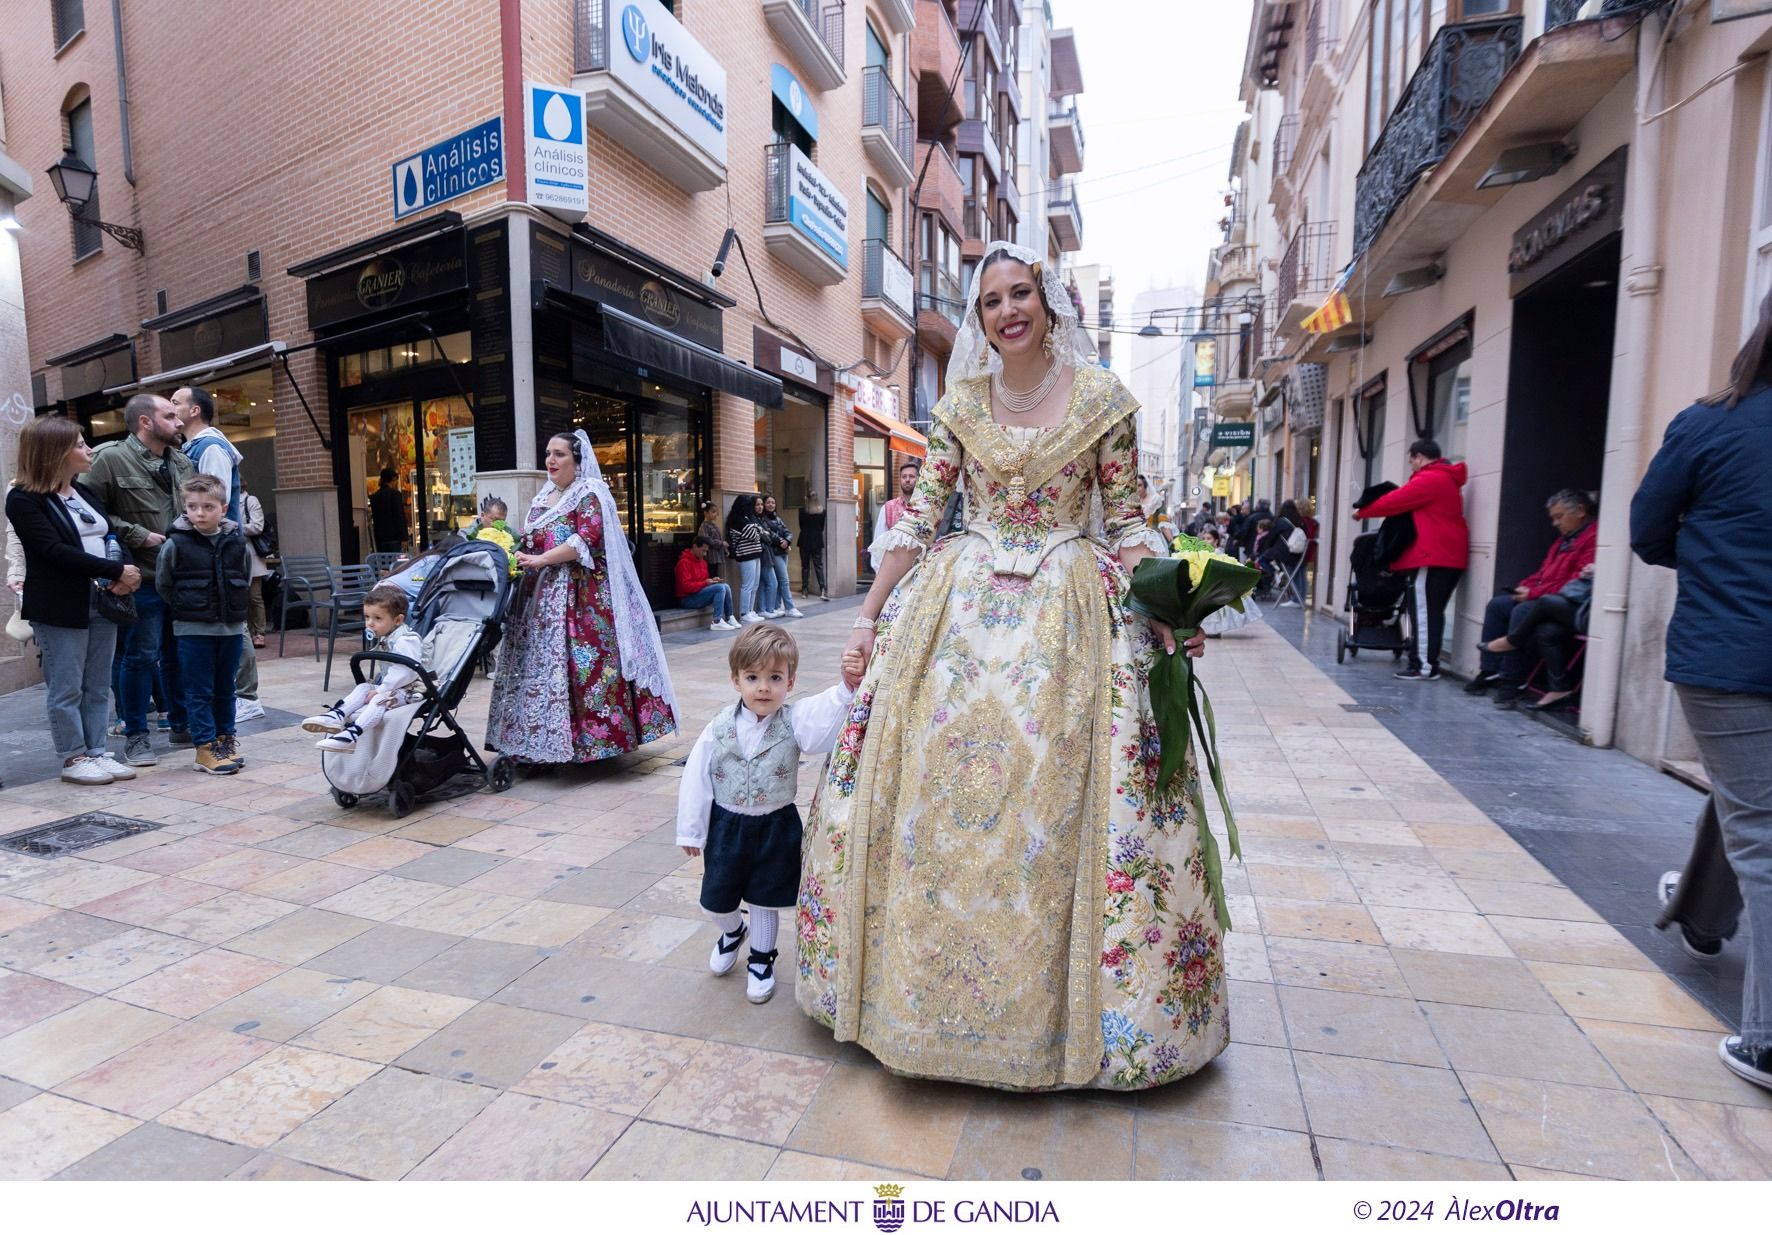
(766, 782)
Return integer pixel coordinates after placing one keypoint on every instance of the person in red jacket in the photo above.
(1439, 555)
(1509, 614)
(695, 590)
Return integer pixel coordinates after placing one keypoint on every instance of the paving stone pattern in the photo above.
(515, 986)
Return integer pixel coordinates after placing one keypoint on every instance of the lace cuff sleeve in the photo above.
(582, 549)
(1140, 536)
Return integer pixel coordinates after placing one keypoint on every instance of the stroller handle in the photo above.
(359, 659)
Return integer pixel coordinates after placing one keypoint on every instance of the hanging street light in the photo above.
(74, 184)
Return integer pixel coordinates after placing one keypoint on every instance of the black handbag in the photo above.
(115, 608)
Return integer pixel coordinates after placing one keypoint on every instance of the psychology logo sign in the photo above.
(554, 151)
(454, 166)
(674, 76)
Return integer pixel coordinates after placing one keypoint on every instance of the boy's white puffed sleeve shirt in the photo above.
(817, 722)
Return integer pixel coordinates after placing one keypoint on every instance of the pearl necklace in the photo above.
(1021, 402)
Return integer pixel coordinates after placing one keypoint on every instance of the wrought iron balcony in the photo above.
(1320, 42)
(1309, 265)
(1065, 215)
(1463, 66)
(1285, 143)
(887, 293)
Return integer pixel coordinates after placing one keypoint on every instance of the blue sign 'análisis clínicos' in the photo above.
(454, 166)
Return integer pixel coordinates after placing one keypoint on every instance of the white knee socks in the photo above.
(763, 924)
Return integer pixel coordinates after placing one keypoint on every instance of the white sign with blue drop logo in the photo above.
(554, 150)
(673, 75)
(457, 165)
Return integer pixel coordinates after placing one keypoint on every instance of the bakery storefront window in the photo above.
(653, 449)
(403, 412)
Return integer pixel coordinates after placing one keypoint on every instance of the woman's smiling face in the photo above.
(1010, 309)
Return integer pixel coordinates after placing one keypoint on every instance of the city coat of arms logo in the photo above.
(889, 1207)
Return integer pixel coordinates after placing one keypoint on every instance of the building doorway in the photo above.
(1558, 389)
(797, 457)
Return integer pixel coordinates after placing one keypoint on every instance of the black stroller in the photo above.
(460, 615)
(1377, 606)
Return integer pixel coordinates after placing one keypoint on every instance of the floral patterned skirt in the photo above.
(989, 892)
(559, 696)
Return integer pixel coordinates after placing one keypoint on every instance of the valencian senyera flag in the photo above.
(1335, 312)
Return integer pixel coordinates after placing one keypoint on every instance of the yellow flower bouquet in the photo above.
(499, 535)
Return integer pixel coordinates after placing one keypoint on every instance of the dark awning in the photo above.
(659, 350)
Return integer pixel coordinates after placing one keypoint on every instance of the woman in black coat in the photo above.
(62, 527)
(1703, 509)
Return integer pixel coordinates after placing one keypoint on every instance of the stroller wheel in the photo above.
(502, 774)
(400, 799)
(346, 800)
(1340, 646)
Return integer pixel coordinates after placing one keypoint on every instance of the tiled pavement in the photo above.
(514, 987)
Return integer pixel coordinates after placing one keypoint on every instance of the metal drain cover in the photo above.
(71, 835)
(1370, 709)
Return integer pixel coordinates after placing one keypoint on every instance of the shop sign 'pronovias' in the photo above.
(676, 76)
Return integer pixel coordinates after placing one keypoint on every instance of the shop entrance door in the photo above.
(651, 450)
(870, 495)
(1558, 389)
(429, 444)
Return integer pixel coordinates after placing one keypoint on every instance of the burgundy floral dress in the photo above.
(560, 696)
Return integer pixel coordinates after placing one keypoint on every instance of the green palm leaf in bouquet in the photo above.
(1182, 592)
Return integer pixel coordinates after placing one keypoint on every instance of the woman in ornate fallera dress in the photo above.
(582, 674)
(992, 891)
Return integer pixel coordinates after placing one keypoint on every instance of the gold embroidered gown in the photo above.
(989, 891)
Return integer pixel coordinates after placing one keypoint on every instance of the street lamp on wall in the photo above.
(74, 184)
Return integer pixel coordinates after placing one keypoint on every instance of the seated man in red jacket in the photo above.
(1512, 616)
(696, 591)
(1437, 559)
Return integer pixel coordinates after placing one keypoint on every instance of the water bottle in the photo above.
(113, 551)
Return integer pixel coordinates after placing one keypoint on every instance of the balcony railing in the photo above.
(1463, 66)
(826, 17)
(590, 36)
(883, 107)
(939, 292)
(885, 276)
(1309, 264)
(1285, 143)
(1322, 32)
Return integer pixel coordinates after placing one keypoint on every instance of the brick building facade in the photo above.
(342, 332)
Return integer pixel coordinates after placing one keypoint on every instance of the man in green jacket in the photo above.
(138, 480)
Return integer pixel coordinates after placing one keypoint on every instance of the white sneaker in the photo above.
(725, 953)
(776, 612)
(795, 613)
(759, 976)
(329, 721)
(118, 771)
(248, 709)
(750, 618)
(726, 624)
(86, 771)
(344, 742)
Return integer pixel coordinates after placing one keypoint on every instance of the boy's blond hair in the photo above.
(764, 646)
(204, 485)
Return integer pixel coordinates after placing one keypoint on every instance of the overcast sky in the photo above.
(1159, 110)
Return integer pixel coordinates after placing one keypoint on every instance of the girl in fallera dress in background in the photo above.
(993, 891)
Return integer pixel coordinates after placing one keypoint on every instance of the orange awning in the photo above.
(902, 437)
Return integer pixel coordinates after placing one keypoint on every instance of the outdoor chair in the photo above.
(344, 610)
(383, 563)
(1292, 582)
(306, 580)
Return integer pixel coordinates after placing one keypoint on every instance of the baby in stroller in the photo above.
(384, 613)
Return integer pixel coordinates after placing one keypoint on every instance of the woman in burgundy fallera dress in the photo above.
(583, 675)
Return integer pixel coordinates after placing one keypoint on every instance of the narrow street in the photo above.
(515, 986)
